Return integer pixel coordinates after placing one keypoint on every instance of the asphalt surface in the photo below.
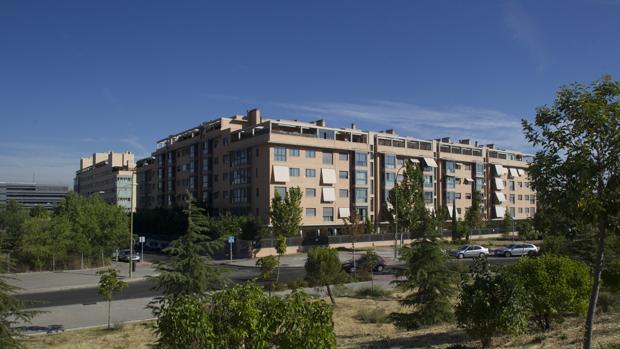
(137, 289)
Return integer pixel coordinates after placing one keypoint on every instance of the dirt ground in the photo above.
(352, 333)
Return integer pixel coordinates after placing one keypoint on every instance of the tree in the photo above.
(577, 168)
(407, 202)
(369, 264)
(109, 284)
(554, 286)
(187, 270)
(11, 312)
(455, 228)
(184, 321)
(491, 305)
(355, 226)
(286, 215)
(474, 217)
(507, 222)
(12, 216)
(267, 264)
(323, 268)
(430, 283)
(36, 243)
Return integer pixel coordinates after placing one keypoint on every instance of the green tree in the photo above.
(611, 276)
(554, 286)
(184, 321)
(12, 216)
(455, 225)
(323, 268)
(507, 222)
(187, 270)
(38, 211)
(267, 264)
(407, 202)
(286, 214)
(36, 244)
(474, 217)
(430, 285)
(109, 284)
(493, 304)
(355, 226)
(11, 312)
(577, 167)
(369, 264)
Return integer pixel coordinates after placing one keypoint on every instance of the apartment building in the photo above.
(236, 164)
(30, 195)
(110, 175)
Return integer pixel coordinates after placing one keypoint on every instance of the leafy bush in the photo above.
(296, 283)
(341, 291)
(608, 302)
(492, 305)
(611, 276)
(323, 268)
(372, 292)
(554, 285)
(373, 316)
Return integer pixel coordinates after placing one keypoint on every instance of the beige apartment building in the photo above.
(109, 175)
(237, 164)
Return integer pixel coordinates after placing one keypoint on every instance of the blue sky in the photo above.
(83, 76)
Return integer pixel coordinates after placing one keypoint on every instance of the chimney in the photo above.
(254, 116)
(354, 126)
(320, 123)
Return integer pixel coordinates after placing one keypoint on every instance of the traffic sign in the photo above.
(231, 239)
(141, 239)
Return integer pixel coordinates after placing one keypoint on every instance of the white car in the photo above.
(517, 249)
(470, 251)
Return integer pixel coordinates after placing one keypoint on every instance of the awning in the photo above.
(415, 160)
(280, 174)
(329, 194)
(344, 212)
(499, 170)
(521, 171)
(500, 211)
(499, 184)
(329, 175)
(467, 179)
(430, 162)
(449, 209)
(513, 172)
(500, 196)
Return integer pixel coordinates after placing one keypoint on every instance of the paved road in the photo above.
(135, 289)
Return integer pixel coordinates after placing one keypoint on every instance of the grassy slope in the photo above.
(352, 333)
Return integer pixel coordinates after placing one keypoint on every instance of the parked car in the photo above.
(123, 255)
(348, 266)
(470, 251)
(518, 249)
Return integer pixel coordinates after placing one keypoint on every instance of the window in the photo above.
(458, 210)
(390, 161)
(310, 173)
(512, 212)
(361, 159)
(520, 197)
(428, 197)
(457, 196)
(293, 152)
(361, 195)
(280, 191)
(343, 174)
(310, 192)
(294, 171)
(279, 153)
(511, 185)
(328, 214)
(310, 212)
(520, 210)
(328, 158)
(343, 193)
(479, 169)
(450, 166)
(361, 177)
(310, 153)
(450, 196)
(343, 156)
(450, 182)
(428, 181)
(520, 184)
(327, 134)
(479, 184)
(527, 197)
(390, 178)
(512, 198)
(468, 196)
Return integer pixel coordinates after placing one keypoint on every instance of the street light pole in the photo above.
(131, 226)
(396, 216)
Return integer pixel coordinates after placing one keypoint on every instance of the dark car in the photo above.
(348, 266)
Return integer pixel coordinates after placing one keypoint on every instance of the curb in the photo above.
(72, 287)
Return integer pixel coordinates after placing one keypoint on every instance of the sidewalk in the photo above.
(35, 282)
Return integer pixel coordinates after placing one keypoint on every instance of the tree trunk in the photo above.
(598, 269)
(278, 273)
(109, 305)
(329, 293)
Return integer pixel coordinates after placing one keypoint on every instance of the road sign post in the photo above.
(231, 241)
(142, 239)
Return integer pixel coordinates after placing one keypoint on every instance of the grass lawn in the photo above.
(352, 332)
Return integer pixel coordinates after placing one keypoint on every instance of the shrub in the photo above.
(372, 292)
(492, 305)
(341, 291)
(296, 283)
(611, 276)
(373, 316)
(554, 285)
(608, 302)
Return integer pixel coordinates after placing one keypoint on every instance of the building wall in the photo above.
(229, 163)
(31, 194)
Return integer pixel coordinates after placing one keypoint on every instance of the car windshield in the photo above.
(511, 246)
(464, 247)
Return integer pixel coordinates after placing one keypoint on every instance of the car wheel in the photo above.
(481, 255)
(531, 253)
(379, 268)
(460, 256)
(507, 254)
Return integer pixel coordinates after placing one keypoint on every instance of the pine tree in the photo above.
(473, 216)
(188, 271)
